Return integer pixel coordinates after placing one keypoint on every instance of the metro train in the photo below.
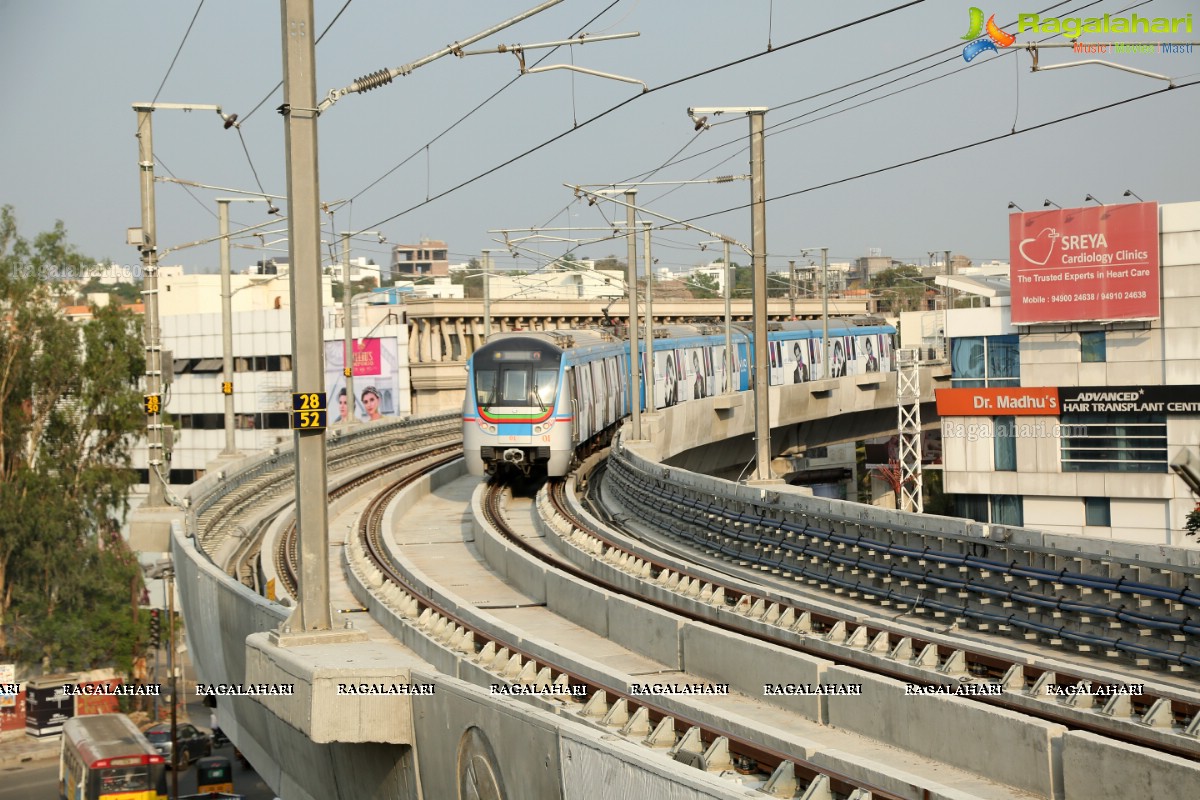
(538, 401)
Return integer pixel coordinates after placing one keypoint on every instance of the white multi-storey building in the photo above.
(262, 366)
(1073, 426)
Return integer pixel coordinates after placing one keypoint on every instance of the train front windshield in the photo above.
(510, 378)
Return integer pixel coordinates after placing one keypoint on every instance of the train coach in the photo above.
(538, 401)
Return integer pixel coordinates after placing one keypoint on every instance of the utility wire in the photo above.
(930, 156)
(271, 93)
(178, 50)
(952, 150)
(478, 106)
(778, 127)
(627, 101)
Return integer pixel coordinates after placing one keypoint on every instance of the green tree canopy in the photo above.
(69, 415)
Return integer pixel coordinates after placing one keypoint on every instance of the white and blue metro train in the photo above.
(538, 401)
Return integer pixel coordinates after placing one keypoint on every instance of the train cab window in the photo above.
(485, 385)
(515, 387)
(547, 383)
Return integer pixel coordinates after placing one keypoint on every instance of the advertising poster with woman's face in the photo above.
(694, 361)
(666, 379)
(375, 381)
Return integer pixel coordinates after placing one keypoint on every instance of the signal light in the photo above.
(155, 628)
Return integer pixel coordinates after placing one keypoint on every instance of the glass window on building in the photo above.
(1096, 512)
(1093, 346)
(1114, 442)
(971, 506)
(1003, 361)
(968, 364)
(1007, 510)
(1004, 443)
(985, 361)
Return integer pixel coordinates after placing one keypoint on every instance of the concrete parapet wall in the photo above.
(998, 744)
(1101, 769)
(747, 666)
(959, 569)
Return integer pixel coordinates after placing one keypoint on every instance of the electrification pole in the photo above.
(730, 359)
(758, 258)
(635, 369)
(348, 331)
(649, 312)
(487, 295)
(758, 242)
(825, 311)
(149, 247)
(792, 286)
(299, 110)
(226, 327)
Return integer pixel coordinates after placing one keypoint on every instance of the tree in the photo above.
(900, 289)
(70, 412)
(703, 286)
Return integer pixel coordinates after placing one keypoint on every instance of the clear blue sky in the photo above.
(67, 146)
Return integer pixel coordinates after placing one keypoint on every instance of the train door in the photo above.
(569, 374)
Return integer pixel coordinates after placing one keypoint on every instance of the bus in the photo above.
(105, 757)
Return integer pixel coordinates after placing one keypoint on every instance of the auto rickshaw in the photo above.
(214, 775)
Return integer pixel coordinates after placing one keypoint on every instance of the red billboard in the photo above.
(1085, 264)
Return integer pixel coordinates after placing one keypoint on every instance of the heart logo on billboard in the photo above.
(1038, 249)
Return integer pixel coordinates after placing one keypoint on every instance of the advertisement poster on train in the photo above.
(775, 351)
(884, 349)
(797, 364)
(375, 381)
(666, 379)
(816, 366)
(695, 379)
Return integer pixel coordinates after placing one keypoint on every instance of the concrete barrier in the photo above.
(1101, 769)
(998, 744)
(747, 666)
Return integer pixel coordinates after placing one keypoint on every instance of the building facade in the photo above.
(1072, 426)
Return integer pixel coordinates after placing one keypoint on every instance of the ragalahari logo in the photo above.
(996, 36)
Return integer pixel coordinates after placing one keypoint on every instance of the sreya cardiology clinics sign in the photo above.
(1085, 264)
(1051, 401)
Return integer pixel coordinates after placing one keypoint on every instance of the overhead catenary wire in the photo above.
(648, 91)
(477, 107)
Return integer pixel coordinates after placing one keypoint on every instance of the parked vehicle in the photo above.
(214, 774)
(193, 743)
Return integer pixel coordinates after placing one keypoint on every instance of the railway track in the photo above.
(688, 739)
(1152, 718)
(416, 465)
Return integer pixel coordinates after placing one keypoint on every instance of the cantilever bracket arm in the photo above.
(1033, 49)
(586, 71)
